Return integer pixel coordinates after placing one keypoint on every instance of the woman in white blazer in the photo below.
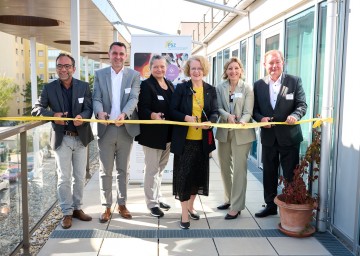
(236, 102)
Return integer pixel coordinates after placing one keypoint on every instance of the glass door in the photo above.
(271, 38)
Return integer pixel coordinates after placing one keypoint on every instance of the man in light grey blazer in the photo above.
(115, 97)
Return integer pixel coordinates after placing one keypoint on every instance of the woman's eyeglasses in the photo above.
(196, 69)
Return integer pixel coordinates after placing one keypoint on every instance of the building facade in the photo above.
(318, 41)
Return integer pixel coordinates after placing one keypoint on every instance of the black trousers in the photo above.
(272, 157)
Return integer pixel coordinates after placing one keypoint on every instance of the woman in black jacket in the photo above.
(154, 101)
(193, 101)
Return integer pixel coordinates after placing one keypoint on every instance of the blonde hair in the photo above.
(233, 59)
(203, 62)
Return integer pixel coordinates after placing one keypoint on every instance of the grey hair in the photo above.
(157, 57)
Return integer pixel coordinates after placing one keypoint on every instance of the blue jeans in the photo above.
(71, 161)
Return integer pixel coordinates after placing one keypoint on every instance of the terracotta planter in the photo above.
(295, 219)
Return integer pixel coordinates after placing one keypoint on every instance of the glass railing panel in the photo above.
(41, 184)
(42, 175)
(10, 195)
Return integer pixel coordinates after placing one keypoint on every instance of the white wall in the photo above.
(262, 14)
(347, 183)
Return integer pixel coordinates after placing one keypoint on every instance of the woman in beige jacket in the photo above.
(236, 101)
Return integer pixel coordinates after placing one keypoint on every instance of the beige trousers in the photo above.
(233, 165)
(155, 162)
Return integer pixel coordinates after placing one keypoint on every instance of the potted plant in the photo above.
(296, 203)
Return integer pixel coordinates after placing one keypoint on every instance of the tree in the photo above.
(7, 90)
(27, 94)
(91, 81)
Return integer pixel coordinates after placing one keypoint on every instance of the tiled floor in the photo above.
(211, 235)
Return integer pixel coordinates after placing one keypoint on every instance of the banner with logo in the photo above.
(176, 50)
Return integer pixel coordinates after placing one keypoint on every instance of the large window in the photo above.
(299, 47)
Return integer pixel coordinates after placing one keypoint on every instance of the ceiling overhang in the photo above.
(49, 22)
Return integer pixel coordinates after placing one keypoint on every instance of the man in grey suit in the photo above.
(116, 92)
(279, 97)
(68, 97)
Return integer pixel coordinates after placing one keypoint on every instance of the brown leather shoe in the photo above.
(124, 212)
(66, 221)
(79, 214)
(105, 217)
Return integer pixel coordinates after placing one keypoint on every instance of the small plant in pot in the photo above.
(296, 203)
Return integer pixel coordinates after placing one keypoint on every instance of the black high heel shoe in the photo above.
(184, 225)
(194, 216)
(223, 206)
(231, 217)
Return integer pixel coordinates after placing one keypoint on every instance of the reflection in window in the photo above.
(235, 53)
(213, 71)
(272, 43)
(257, 56)
(299, 40)
(319, 74)
(219, 66)
(243, 46)
(226, 55)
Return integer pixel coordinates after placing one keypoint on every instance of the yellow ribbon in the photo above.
(317, 121)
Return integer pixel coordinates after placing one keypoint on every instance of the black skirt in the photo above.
(191, 171)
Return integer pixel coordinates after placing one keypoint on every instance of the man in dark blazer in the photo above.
(279, 97)
(68, 97)
(116, 93)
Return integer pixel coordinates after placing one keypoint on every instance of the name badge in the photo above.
(290, 96)
(81, 100)
(238, 95)
(160, 97)
(127, 90)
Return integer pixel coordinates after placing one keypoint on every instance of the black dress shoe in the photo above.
(156, 212)
(231, 217)
(269, 210)
(194, 216)
(164, 206)
(223, 206)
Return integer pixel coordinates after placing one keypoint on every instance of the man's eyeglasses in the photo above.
(66, 66)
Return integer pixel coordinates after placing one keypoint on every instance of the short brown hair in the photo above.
(66, 55)
(233, 59)
(203, 62)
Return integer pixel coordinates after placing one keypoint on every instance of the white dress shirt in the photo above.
(274, 89)
(116, 80)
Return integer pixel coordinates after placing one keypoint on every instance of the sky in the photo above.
(159, 15)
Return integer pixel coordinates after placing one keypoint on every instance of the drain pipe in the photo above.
(327, 111)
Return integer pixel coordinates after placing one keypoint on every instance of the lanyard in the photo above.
(198, 102)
